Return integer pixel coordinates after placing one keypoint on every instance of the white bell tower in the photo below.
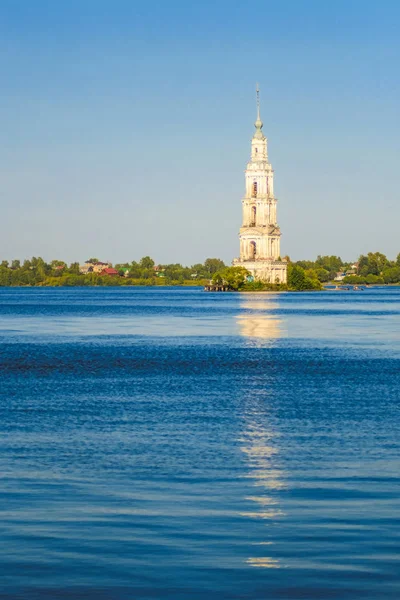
(260, 236)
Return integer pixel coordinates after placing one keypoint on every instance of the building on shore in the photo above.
(93, 267)
(110, 272)
(260, 234)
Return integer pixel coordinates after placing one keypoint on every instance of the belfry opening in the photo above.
(253, 216)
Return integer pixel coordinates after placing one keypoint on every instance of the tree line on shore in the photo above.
(37, 272)
(373, 268)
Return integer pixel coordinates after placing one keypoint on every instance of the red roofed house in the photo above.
(109, 271)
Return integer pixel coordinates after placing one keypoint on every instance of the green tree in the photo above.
(330, 263)
(354, 279)
(311, 274)
(323, 275)
(74, 268)
(146, 262)
(135, 270)
(212, 265)
(362, 268)
(374, 279)
(57, 263)
(298, 280)
(200, 271)
(5, 276)
(372, 264)
(305, 264)
(234, 277)
(176, 272)
(391, 275)
(296, 277)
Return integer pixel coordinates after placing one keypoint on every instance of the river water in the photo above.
(167, 443)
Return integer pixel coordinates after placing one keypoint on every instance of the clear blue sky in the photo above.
(126, 126)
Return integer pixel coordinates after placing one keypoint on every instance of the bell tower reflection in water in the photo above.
(259, 441)
(256, 319)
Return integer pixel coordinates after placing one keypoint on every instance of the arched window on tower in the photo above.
(253, 216)
(253, 250)
(254, 189)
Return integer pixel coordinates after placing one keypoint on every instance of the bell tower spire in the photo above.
(258, 134)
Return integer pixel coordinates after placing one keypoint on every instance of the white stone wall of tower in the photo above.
(272, 218)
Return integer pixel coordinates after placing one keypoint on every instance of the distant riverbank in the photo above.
(105, 282)
(373, 269)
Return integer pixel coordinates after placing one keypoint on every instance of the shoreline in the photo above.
(329, 287)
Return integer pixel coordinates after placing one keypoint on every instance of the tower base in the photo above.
(269, 271)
